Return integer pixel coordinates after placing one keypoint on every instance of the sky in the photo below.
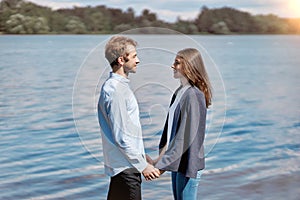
(170, 10)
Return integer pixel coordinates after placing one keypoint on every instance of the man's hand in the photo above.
(150, 172)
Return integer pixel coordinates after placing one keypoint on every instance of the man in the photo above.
(118, 113)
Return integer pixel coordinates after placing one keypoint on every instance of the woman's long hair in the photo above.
(194, 70)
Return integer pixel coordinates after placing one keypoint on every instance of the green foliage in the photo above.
(19, 24)
(225, 20)
(22, 17)
(75, 25)
(220, 28)
(269, 24)
(185, 27)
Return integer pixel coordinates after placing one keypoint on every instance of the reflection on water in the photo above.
(45, 156)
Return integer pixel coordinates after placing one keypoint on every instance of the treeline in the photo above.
(22, 17)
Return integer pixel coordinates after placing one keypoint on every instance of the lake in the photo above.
(50, 139)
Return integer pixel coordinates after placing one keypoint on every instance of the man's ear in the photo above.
(121, 60)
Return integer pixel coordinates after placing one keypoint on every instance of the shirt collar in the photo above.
(119, 77)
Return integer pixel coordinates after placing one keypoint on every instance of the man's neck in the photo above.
(120, 71)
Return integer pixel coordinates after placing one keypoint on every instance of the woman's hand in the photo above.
(149, 160)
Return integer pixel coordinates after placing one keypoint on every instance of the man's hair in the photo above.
(116, 47)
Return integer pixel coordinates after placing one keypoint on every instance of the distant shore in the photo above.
(22, 17)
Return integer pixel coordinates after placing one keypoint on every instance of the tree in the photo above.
(57, 22)
(204, 20)
(236, 21)
(271, 24)
(23, 17)
(219, 28)
(186, 27)
(122, 28)
(74, 25)
(146, 14)
(20, 24)
(97, 22)
(15, 24)
(40, 25)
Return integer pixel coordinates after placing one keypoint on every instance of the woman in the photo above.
(181, 144)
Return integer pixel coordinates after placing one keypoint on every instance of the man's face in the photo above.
(133, 60)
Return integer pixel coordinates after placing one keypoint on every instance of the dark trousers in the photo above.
(125, 185)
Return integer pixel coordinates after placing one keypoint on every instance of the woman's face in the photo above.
(177, 67)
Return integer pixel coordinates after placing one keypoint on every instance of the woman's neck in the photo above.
(184, 81)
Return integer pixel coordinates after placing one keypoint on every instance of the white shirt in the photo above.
(118, 115)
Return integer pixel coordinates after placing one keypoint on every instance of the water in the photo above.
(45, 156)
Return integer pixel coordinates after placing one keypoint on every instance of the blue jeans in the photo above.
(185, 188)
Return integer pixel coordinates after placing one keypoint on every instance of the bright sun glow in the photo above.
(294, 6)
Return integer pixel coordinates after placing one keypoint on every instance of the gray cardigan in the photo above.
(185, 152)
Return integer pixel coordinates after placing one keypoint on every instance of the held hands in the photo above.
(150, 172)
